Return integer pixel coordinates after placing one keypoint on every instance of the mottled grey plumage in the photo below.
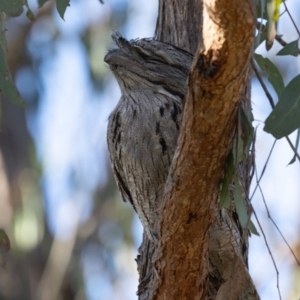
(144, 126)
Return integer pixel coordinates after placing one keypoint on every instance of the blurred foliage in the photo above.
(14, 8)
(40, 266)
(285, 118)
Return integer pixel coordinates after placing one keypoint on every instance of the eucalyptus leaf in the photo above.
(245, 123)
(273, 73)
(276, 14)
(42, 2)
(240, 204)
(12, 8)
(290, 49)
(285, 117)
(7, 85)
(252, 228)
(61, 6)
(239, 153)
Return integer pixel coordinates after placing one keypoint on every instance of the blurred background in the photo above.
(71, 235)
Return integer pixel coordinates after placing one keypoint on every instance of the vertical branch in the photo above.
(197, 256)
(217, 81)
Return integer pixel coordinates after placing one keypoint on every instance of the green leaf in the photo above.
(285, 117)
(7, 85)
(225, 198)
(244, 136)
(245, 124)
(240, 204)
(239, 153)
(296, 147)
(276, 14)
(290, 49)
(61, 6)
(252, 228)
(12, 8)
(273, 73)
(42, 2)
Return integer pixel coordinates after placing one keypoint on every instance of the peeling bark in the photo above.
(199, 255)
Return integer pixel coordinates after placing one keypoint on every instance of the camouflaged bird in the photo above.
(143, 128)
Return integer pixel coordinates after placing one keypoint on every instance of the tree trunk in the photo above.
(202, 249)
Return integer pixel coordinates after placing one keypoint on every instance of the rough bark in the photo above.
(199, 252)
(143, 129)
(180, 23)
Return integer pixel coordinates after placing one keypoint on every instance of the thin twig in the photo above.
(270, 252)
(276, 226)
(262, 83)
(265, 203)
(263, 170)
(293, 147)
(272, 103)
(295, 25)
